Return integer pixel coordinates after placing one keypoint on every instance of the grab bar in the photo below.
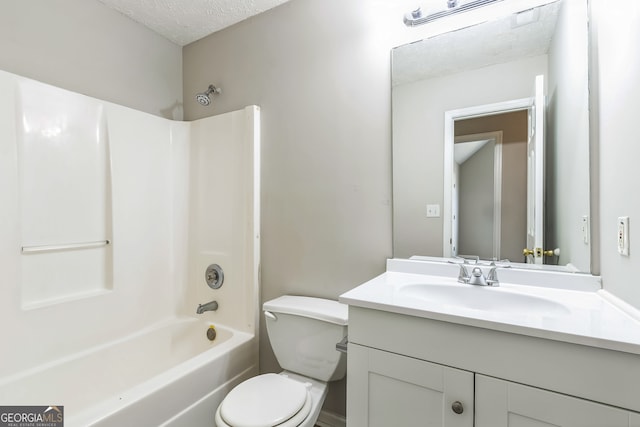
(66, 246)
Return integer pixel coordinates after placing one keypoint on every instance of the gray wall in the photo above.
(319, 69)
(85, 47)
(617, 90)
(567, 139)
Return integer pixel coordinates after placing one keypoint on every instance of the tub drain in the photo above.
(211, 333)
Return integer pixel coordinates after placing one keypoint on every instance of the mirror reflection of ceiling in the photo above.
(464, 150)
(514, 37)
(513, 124)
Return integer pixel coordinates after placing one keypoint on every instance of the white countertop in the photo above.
(589, 315)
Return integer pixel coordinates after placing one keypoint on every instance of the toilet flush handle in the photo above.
(342, 345)
(270, 315)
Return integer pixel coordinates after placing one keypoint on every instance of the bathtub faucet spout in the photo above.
(210, 306)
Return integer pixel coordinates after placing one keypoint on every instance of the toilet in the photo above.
(303, 332)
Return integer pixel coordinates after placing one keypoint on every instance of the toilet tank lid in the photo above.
(314, 308)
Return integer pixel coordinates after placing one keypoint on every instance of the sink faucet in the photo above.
(478, 278)
(209, 306)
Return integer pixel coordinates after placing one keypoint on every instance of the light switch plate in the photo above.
(584, 226)
(623, 235)
(433, 211)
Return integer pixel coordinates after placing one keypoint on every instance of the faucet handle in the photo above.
(463, 275)
(492, 277)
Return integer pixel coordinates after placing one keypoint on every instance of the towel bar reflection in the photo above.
(66, 246)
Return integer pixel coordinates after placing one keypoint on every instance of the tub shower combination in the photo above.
(112, 217)
(152, 377)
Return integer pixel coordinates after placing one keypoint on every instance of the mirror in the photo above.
(470, 87)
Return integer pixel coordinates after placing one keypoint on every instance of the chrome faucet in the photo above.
(477, 278)
(209, 306)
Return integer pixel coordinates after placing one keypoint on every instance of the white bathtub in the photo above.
(169, 374)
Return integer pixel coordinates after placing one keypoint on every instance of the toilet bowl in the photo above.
(303, 332)
(283, 400)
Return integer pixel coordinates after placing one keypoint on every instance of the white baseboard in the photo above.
(329, 419)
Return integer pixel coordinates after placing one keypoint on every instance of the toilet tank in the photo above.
(303, 332)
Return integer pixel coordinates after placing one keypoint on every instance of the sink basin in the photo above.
(483, 298)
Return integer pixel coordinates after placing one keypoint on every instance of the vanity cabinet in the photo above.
(410, 371)
(502, 403)
(387, 389)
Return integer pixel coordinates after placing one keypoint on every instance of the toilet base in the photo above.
(318, 393)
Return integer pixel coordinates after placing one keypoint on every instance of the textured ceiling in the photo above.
(185, 21)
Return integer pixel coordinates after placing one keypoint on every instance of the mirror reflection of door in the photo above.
(455, 208)
(535, 175)
(491, 160)
(478, 176)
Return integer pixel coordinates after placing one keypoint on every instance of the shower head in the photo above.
(205, 97)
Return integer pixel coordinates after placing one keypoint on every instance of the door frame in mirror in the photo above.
(449, 138)
(496, 138)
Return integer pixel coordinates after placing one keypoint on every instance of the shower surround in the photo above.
(109, 219)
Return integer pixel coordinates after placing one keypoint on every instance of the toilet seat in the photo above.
(267, 400)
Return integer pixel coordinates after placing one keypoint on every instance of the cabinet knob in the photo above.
(457, 407)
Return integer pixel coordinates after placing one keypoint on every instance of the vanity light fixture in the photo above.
(415, 17)
(454, 7)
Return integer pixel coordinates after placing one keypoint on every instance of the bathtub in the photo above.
(169, 374)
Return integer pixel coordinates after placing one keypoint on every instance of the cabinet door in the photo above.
(385, 389)
(501, 403)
